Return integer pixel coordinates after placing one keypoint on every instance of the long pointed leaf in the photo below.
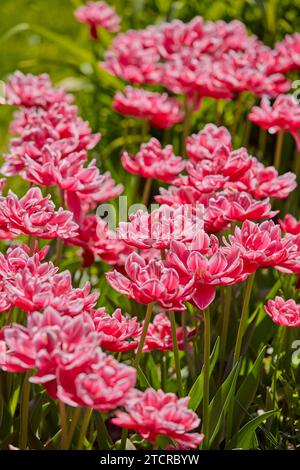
(243, 439)
(196, 392)
(219, 405)
(247, 391)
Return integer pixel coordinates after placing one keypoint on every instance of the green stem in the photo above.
(176, 355)
(278, 150)
(238, 112)
(186, 125)
(243, 319)
(218, 111)
(247, 133)
(24, 411)
(148, 316)
(262, 141)
(74, 422)
(84, 426)
(63, 424)
(147, 191)
(225, 325)
(145, 130)
(59, 251)
(32, 240)
(124, 438)
(206, 314)
(185, 346)
(105, 439)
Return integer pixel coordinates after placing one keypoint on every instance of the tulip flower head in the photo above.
(155, 413)
(284, 312)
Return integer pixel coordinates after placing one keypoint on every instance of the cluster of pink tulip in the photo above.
(211, 227)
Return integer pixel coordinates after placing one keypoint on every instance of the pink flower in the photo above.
(152, 161)
(213, 216)
(33, 90)
(159, 335)
(56, 131)
(134, 57)
(241, 206)
(283, 114)
(260, 245)
(85, 186)
(253, 70)
(150, 282)
(290, 264)
(96, 239)
(284, 312)
(163, 225)
(155, 413)
(69, 174)
(98, 14)
(35, 215)
(188, 72)
(118, 332)
(160, 110)
(199, 58)
(202, 146)
(223, 171)
(264, 182)
(208, 264)
(68, 360)
(30, 284)
(287, 53)
(174, 196)
(103, 386)
(290, 224)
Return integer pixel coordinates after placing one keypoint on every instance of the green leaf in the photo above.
(196, 392)
(247, 391)
(82, 54)
(245, 437)
(151, 370)
(142, 379)
(219, 405)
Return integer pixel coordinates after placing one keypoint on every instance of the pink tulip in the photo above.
(103, 385)
(198, 58)
(150, 282)
(263, 182)
(291, 263)
(119, 333)
(98, 14)
(174, 196)
(30, 284)
(160, 110)
(241, 206)
(134, 56)
(163, 225)
(55, 130)
(33, 90)
(283, 312)
(65, 353)
(282, 115)
(159, 335)
(260, 245)
(155, 413)
(290, 225)
(208, 264)
(287, 53)
(35, 215)
(95, 239)
(202, 146)
(152, 161)
(223, 171)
